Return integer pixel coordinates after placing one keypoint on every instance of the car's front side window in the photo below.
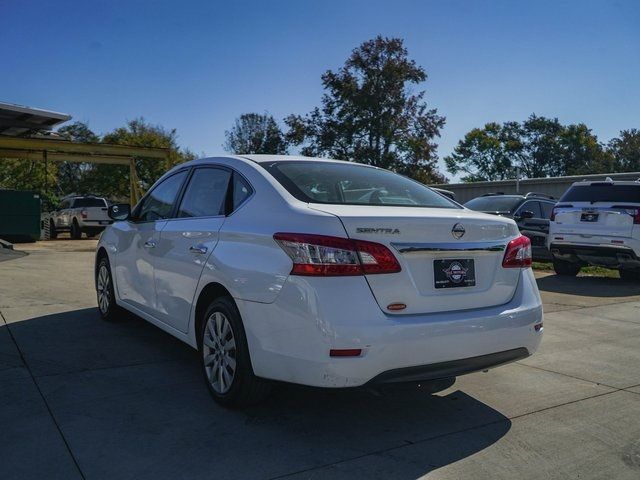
(158, 205)
(206, 193)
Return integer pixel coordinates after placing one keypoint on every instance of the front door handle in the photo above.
(198, 249)
(150, 244)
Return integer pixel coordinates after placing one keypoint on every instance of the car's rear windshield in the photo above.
(89, 202)
(602, 192)
(494, 204)
(352, 184)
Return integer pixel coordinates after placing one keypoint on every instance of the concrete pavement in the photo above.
(82, 398)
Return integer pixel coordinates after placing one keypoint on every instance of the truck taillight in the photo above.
(518, 253)
(631, 210)
(553, 214)
(84, 214)
(321, 255)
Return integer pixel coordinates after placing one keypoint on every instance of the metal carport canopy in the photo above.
(17, 120)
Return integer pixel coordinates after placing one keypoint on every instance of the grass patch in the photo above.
(587, 271)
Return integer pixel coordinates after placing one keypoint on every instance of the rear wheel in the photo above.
(226, 364)
(564, 268)
(53, 234)
(630, 275)
(76, 233)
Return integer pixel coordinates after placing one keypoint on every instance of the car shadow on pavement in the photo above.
(588, 286)
(130, 402)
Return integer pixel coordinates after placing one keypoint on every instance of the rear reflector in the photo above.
(518, 253)
(396, 306)
(345, 352)
(321, 255)
(617, 241)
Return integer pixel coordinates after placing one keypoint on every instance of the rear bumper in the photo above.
(95, 224)
(290, 339)
(453, 368)
(596, 252)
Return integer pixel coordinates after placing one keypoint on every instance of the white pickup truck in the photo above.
(78, 215)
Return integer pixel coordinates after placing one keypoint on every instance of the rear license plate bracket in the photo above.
(589, 217)
(454, 273)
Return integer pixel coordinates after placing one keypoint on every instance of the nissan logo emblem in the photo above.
(458, 230)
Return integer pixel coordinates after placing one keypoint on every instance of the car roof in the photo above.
(585, 183)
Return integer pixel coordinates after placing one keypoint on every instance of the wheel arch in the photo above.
(209, 293)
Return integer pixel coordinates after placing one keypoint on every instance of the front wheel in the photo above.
(566, 269)
(107, 306)
(226, 364)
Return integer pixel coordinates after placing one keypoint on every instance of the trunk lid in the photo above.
(423, 241)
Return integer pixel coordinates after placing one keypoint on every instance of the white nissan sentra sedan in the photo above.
(319, 272)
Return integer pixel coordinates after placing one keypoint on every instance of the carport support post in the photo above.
(134, 194)
(46, 171)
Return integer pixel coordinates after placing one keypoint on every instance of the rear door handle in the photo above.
(150, 244)
(198, 249)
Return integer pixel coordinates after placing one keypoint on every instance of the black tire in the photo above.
(245, 388)
(112, 311)
(76, 233)
(629, 275)
(566, 269)
(53, 234)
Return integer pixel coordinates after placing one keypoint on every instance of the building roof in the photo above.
(18, 120)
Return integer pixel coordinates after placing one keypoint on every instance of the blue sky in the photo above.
(197, 65)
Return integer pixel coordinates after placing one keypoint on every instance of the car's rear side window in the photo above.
(205, 193)
(602, 192)
(352, 184)
(89, 202)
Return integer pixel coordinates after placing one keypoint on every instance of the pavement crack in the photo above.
(44, 400)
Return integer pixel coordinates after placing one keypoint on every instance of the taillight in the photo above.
(631, 210)
(553, 214)
(518, 253)
(84, 214)
(321, 255)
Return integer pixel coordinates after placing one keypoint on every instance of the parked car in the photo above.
(319, 272)
(80, 214)
(446, 193)
(597, 223)
(531, 212)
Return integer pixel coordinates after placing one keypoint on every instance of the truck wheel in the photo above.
(53, 234)
(629, 275)
(76, 233)
(566, 269)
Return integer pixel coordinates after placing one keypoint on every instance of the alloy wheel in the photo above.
(219, 352)
(104, 295)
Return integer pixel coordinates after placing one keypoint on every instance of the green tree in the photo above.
(625, 151)
(71, 174)
(255, 133)
(539, 147)
(369, 113)
(112, 181)
(487, 153)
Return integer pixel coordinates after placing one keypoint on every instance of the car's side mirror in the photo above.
(526, 214)
(119, 211)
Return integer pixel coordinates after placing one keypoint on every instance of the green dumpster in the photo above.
(19, 215)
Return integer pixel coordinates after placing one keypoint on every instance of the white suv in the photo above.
(597, 223)
(319, 272)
